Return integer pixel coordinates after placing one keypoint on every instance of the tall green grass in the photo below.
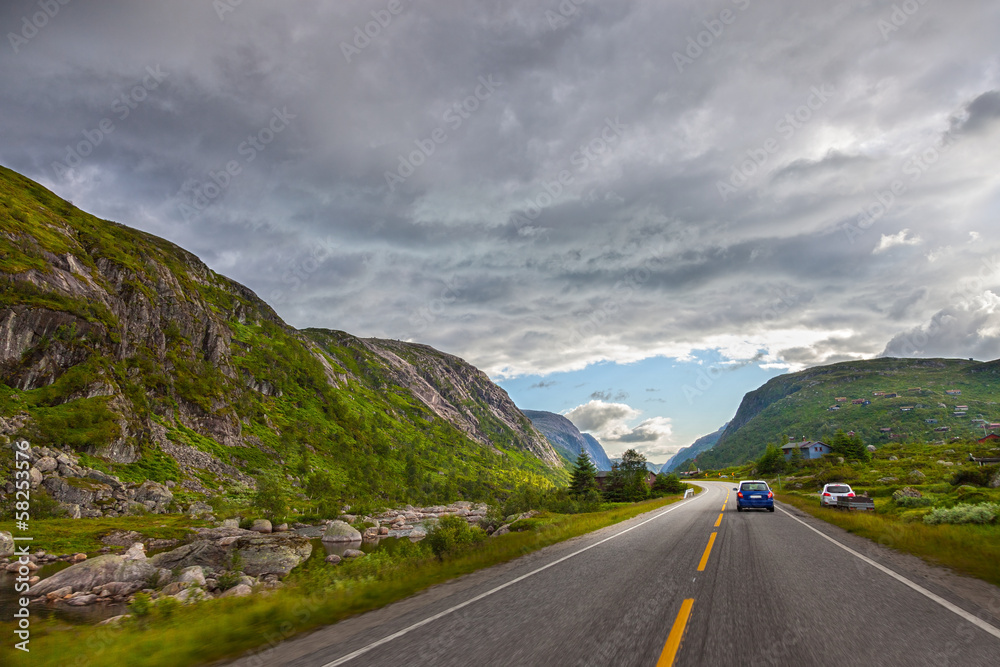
(967, 548)
(232, 627)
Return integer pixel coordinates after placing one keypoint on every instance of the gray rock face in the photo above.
(192, 575)
(154, 495)
(121, 538)
(198, 508)
(6, 544)
(272, 554)
(46, 464)
(203, 552)
(230, 523)
(82, 576)
(76, 491)
(341, 531)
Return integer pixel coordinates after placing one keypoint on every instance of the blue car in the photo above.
(754, 494)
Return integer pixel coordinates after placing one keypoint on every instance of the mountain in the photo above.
(567, 438)
(805, 404)
(654, 468)
(133, 353)
(700, 445)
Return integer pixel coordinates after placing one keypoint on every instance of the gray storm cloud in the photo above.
(537, 194)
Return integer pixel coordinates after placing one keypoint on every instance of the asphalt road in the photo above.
(771, 590)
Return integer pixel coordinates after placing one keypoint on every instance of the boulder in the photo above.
(154, 495)
(72, 511)
(35, 477)
(272, 554)
(198, 508)
(261, 526)
(907, 492)
(333, 559)
(340, 531)
(237, 591)
(59, 593)
(417, 534)
(46, 464)
(893, 458)
(206, 553)
(192, 595)
(872, 448)
(192, 575)
(995, 482)
(82, 576)
(133, 508)
(136, 552)
(174, 587)
(230, 523)
(281, 528)
(82, 600)
(116, 588)
(916, 474)
(886, 480)
(6, 544)
(353, 553)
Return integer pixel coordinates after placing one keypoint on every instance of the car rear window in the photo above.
(755, 487)
(839, 488)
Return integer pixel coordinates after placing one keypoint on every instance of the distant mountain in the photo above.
(654, 468)
(567, 439)
(882, 400)
(700, 445)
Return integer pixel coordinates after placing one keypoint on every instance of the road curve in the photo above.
(695, 583)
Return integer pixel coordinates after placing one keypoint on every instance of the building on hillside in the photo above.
(878, 393)
(885, 429)
(953, 392)
(840, 399)
(930, 421)
(602, 478)
(892, 395)
(961, 407)
(810, 449)
(858, 401)
(989, 438)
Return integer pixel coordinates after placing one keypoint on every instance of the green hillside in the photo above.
(130, 351)
(799, 404)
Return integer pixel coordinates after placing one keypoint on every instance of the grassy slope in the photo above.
(230, 627)
(378, 442)
(797, 404)
(970, 549)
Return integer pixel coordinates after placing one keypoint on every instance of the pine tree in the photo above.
(584, 476)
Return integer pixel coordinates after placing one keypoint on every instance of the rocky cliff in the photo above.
(567, 438)
(127, 349)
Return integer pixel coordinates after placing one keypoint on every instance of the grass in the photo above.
(230, 627)
(970, 549)
(68, 536)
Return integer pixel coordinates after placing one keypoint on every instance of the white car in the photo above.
(828, 496)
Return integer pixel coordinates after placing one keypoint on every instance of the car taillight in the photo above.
(826, 495)
(850, 495)
(770, 494)
(739, 494)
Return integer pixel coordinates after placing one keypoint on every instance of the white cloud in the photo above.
(904, 237)
(610, 423)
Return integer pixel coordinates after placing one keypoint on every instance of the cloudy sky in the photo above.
(627, 212)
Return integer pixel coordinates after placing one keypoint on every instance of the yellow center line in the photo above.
(676, 635)
(718, 521)
(708, 550)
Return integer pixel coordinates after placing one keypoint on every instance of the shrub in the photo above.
(227, 580)
(668, 484)
(907, 501)
(983, 513)
(270, 499)
(141, 605)
(977, 476)
(451, 534)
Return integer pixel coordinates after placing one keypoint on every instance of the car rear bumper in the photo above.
(755, 504)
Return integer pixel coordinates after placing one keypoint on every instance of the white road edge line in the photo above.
(978, 622)
(430, 619)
